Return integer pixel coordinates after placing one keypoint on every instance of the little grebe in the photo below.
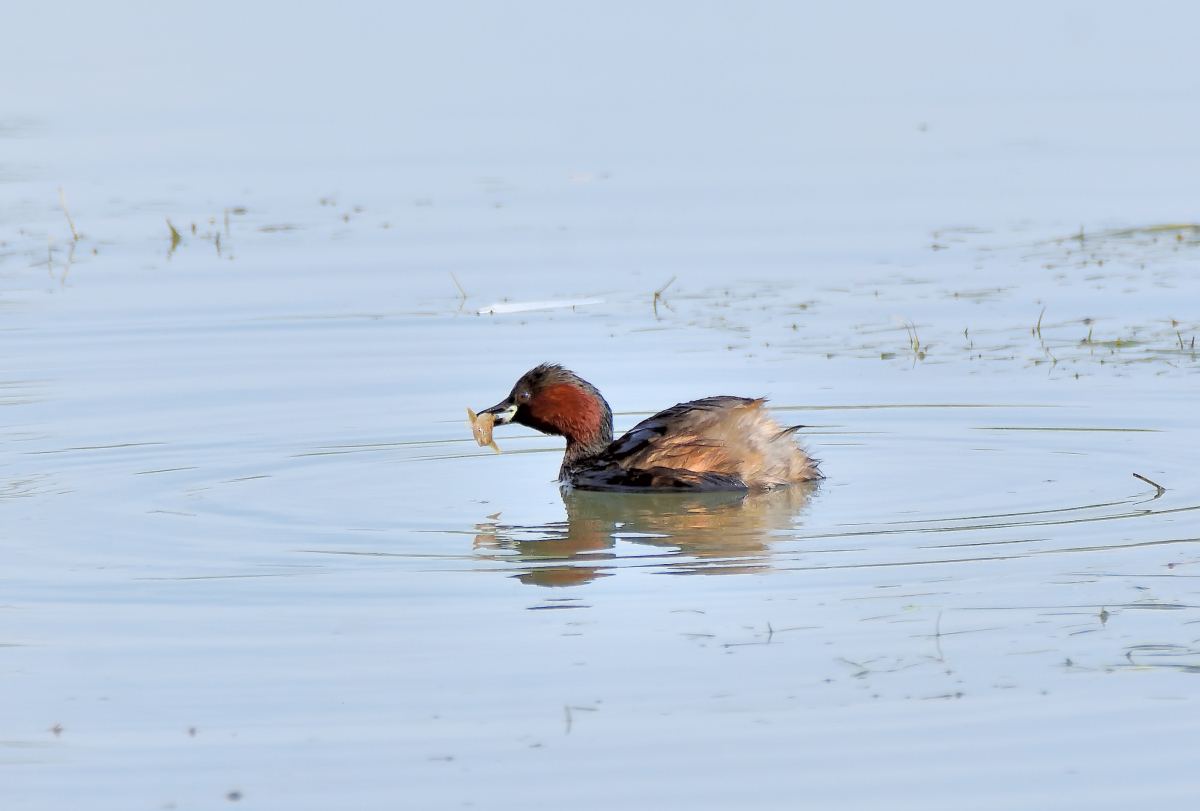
(717, 443)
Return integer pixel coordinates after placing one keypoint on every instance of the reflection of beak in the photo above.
(504, 412)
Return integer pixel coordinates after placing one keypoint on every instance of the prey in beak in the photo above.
(503, 412)
(482, 423)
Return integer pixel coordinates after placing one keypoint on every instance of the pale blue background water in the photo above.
(239, 497)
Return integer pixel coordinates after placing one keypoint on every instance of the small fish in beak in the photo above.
(481, 429)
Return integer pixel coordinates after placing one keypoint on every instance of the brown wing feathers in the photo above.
(726, 436)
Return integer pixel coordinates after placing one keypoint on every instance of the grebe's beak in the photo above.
(504, 411)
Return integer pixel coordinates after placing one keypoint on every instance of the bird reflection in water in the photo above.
(686, 533)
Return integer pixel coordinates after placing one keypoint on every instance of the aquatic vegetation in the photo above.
(282, 431)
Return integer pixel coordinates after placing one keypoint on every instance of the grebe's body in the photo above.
(717, 443)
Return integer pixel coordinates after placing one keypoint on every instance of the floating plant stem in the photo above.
(658, 296)
(175, 238)
(914, 340)
(63, 198)
(1155, 485)
(461, 292)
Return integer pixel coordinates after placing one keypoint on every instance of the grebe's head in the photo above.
(554, 400)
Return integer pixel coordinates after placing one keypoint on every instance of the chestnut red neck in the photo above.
(576, 412)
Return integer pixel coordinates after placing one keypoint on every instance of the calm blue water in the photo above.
(251, 553)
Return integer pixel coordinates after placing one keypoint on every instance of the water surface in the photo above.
(252, 554)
